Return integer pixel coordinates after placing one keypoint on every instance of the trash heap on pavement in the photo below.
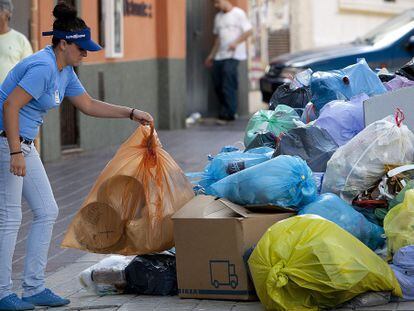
(315, 212)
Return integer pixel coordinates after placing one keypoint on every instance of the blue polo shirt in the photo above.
(39, 76)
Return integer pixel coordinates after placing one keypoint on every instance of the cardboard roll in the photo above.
(99, 227)
(125, 194)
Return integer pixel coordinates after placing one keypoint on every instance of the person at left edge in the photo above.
(14, 46)
(35, 85)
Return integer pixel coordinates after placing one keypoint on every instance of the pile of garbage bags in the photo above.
(352, 186)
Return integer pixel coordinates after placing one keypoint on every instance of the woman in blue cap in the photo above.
(35, 85)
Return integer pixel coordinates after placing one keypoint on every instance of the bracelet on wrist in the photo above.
(16, 152)
(131, 115)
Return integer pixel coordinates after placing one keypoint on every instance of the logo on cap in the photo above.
(76, 36)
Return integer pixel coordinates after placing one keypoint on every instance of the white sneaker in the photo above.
(221, 122)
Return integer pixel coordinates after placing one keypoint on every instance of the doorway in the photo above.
(69, 132)
(200, 92)
(69, 129)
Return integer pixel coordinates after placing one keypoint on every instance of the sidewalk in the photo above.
(72, 179)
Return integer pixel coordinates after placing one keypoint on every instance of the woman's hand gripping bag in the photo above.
(309, 263)
(128, 210)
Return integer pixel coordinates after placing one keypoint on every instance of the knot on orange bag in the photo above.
(276, 278)
(150, 140)
(399, 117)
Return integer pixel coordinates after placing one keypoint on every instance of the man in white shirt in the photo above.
(14, 46)
(231, 29)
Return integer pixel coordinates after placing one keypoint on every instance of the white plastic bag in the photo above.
(359, 164)
(107, 277)
(369, 299)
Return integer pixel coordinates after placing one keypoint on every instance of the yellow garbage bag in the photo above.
(309, 263)
(399, 224)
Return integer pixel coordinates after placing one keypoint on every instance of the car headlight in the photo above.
(290, 72)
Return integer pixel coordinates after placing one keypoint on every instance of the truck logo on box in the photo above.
(223, 273)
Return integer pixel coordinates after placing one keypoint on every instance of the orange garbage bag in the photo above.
(128, 210)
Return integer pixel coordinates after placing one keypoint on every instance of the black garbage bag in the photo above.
(297, 98)
(153, 274)
(407, 70)
(313, 144)
(267, 139)
(386, 77)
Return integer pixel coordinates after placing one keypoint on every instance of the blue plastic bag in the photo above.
(227, 163)
(284, 181)
(345, 83)
(343, 119)
(333, 208)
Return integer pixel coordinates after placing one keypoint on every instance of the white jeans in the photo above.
(36, 189)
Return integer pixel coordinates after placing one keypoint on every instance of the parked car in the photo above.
(390, 45)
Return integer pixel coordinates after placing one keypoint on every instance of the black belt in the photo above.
(22, 140)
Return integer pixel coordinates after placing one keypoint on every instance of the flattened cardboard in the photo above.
(378, 107)
(211, 237)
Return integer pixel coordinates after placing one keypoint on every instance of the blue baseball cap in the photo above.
(81, 38)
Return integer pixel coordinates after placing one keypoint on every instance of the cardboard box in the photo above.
(211, 237)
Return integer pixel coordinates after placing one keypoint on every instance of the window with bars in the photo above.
(111, 27)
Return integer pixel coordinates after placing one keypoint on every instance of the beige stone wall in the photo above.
(316, 23)
(301, 25)
(340, 26)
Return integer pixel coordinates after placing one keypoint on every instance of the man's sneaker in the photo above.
(14, 303)
(47, 299)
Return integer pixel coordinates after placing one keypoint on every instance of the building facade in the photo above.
(152, 60)
(142, 65)
(318, 23)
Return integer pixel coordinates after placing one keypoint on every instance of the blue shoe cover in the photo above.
(47, 299)
(14, 303)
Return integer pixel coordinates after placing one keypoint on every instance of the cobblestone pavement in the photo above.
(72, 179)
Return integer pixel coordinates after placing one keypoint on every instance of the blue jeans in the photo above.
(36, 189)
(226, 82)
